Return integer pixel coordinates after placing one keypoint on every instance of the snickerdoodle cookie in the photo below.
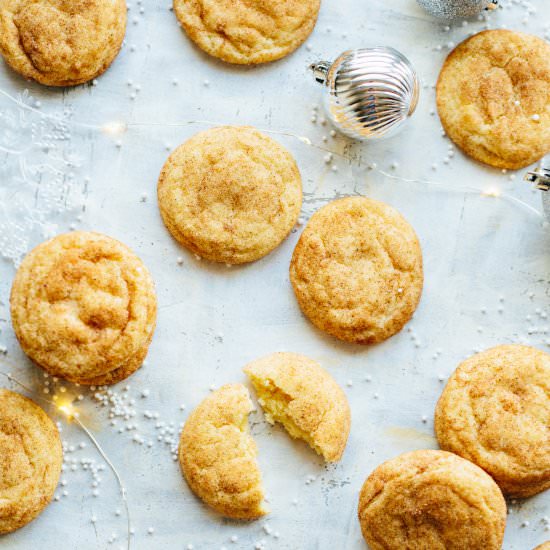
(218, 455)
(83, 307)
(495, 411)
(431, 500)
(295, 391)
(493, 97)
(30, 460)
(61, 42)
(357, 270)
(543, 546)
(230, 194)
(247, 31)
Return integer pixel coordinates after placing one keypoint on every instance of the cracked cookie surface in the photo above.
(493, 97)
(61, 42)
(247, 31)
(357, 270)
(431, 499)
(83, 307)
(218, 455)
(495, 412)
(230, 194)
(30, 460)
(295, 391)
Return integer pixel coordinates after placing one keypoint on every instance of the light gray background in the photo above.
(481, 253)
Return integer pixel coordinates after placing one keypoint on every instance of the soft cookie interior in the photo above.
(296, 392)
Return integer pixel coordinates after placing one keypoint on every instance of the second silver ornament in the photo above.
(370, 92)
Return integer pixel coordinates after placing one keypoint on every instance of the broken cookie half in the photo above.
(218, 455)
(297, 392)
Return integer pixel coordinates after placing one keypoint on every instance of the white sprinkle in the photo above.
(151, 530)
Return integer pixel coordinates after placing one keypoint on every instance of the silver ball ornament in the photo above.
(370, 92)
(454, 9)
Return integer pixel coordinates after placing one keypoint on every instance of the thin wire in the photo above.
(467, 189)
(94, 441)
(113, 469)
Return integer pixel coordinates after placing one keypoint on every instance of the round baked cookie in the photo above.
(297, 392)
(543, 546)
(30, 460)
(230, 194)
(495, 411)
(218, 455)
(357, 270)
(83, 307)
(61, 42)
(493, 97)
(431, 499)
(247, 31)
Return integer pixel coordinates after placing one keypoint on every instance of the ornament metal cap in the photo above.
(540, 176)
(371, 92)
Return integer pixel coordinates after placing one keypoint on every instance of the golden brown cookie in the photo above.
(295, 391)
(543, 546)
(357, 270)
(230, 194)
(431, 500)
(247, 31)
(493, 97)
(495, 411)
(83, 307)
(218, 455)
(61, 42)
(30, 460)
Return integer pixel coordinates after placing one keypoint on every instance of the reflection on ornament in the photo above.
(371, 92)
(541, 178)
(453, 9)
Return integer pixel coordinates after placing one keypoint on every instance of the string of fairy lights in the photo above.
(118, 128)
